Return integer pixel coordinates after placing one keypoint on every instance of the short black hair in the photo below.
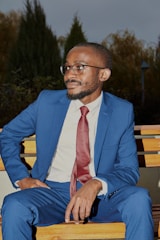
(103, 51)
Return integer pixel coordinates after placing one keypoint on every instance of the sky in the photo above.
(99, 18)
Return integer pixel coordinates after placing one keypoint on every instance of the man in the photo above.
(48, 194)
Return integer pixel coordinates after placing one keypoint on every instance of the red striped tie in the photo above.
(80, 169)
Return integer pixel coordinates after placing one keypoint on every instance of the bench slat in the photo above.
(152, 160)
(148, 152)
(1, 165)
(82, 231)
(151, 144)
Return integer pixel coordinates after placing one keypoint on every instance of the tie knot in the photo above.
(84, 110)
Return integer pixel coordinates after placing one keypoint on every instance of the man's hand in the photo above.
(30, 183)
(81, 203)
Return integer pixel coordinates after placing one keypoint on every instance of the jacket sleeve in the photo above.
(10, 140)
(119, 152)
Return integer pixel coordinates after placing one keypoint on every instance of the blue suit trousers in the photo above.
(42, 206)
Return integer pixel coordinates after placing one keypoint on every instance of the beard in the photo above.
(80, 95)
(84, 93)
(90, 88)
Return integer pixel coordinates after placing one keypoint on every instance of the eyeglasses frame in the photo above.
(80, 64)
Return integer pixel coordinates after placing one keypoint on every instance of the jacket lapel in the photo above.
(57, 117)
(48, 136)
(102, 127)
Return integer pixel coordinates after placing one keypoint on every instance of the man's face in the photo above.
(82, 81)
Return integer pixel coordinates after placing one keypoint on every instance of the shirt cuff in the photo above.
(16, 183)
(104, 187)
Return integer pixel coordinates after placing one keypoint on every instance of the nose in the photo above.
(71, 72)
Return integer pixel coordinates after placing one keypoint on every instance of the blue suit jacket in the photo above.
(115, 153)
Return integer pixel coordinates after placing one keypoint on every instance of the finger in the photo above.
(68, 212)
(84, 211)
(88, 211)
(76, 214)
(39, 183)
(76, 210)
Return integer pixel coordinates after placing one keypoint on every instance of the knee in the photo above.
(11, 204)
(139, 200)
(141, 196)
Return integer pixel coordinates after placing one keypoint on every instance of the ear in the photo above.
(104, 74)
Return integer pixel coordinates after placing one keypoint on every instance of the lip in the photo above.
(72, 84)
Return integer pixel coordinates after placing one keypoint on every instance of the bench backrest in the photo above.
(148, 145)
(147, 139)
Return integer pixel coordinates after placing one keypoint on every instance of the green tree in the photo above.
(36, 51)
(9, 25)
(152, 86)
(75, 36)
(33, 62)
(128, 54)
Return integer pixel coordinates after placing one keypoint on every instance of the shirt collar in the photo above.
(91, 106)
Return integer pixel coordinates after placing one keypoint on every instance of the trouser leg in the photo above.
(32, 207)
(131, 205)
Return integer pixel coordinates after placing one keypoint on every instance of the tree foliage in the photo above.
(33, 55)
(36, 51)
(126, 81)
(33, 62)
(127, 54)
(9, 25)
(75, 36)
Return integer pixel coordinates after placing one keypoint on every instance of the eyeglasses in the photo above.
(77, 68)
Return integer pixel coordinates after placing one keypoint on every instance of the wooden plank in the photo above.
(82, 231)
(29, 155)
(150, 131)
(66, 231)
(155, 127)
(151, 144)
(152, 160)
(159, 230)
(58, 232)
(143, 145)
(29, 145)
(1, 165)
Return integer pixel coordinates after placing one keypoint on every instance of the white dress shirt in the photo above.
(65, 154)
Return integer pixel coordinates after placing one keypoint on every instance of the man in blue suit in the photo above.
(110, 194)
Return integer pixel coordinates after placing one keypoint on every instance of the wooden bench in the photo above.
(148, 148)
